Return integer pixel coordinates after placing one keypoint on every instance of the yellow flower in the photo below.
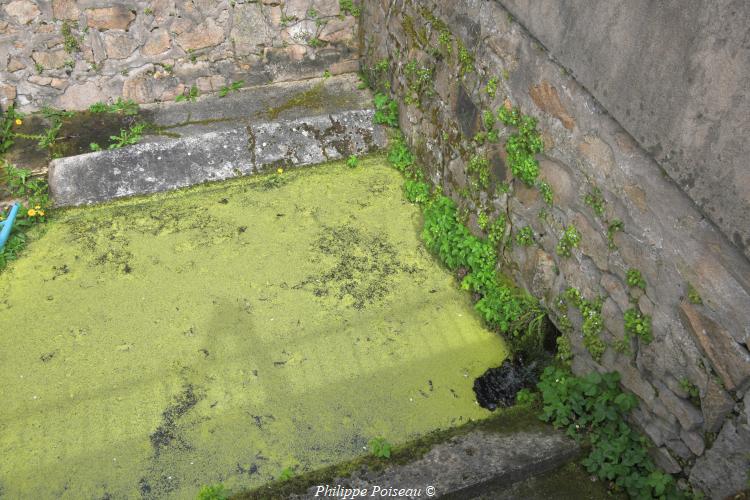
(280, 170)
(41, 213)
(18, 121)
(37, 207)
(31, 212)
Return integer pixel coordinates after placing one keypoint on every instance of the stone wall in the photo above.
(70, 54)
(675, 74)
(693, 377)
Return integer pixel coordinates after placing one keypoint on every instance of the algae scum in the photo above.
(226, 332)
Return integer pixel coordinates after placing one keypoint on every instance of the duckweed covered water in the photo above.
(226, 332)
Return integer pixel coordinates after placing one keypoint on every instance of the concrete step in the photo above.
(471, 465)
(253, 130)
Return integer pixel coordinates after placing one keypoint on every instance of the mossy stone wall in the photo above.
(682, 340)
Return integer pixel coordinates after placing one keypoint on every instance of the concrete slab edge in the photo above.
(176, 163)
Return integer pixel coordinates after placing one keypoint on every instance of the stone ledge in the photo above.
(467, 465)
(172, 164)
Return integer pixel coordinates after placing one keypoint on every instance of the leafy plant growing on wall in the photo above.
(386, 110)
(593, 409)
(523, 145)
(569, 240)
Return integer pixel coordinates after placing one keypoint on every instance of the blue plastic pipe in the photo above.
(7, 225)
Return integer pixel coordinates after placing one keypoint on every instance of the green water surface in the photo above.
(225, 332)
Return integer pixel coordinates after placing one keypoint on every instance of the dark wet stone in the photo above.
(499, 386)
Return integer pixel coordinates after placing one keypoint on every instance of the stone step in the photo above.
(465, 466)
(260, 129)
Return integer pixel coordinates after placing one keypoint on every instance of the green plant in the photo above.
(380, 448)
(445, 39)
(515, 314)
(592, 408)
(692, 391)
(635, 279)
(213, 492)
(595, 200)
(352, 161)
(416, 191)
(232, 87)
(488, 119)
(191, 95)
(465, 60)
(593, 323)
(419, 82)
(693, 295)
(46, 139)
(546, 191)
(639, 324)
(399, 155)
(564, 352)
(483, 220)
(148, 11)
(613, 227)
(34, 194)
(525, 236)
(569, 240)
(315, 42)
(386, 110)
(38, 68)
(127, 137)
(70, 42)
(523, 145)
(95, 147)
(479, 168)
(526, 397)
(8, 120)
(126, 107)
(286, 474)
(347, 7)
(491, 87)
(496, 230)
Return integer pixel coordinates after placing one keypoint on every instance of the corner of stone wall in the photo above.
(693, 377)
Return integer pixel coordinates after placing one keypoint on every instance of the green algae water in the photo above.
(226, 332)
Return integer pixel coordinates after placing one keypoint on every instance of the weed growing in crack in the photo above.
(639, 324)
(523, 145)
(379, 447)
(386, 110)
(127, 137)
(569, 240)
(525, 236)
(635, 279)
(232, 87)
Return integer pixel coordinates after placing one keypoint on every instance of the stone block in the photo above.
(65, 9)
(730, 360)
(546, 98)
(117, 17)
(158, 42)
(23, 11)
(716, 404)
(54, 59)
(722, 470)
(688, 416)
(78, 97)
(119, 45)
(207, 34)
(664, 460)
